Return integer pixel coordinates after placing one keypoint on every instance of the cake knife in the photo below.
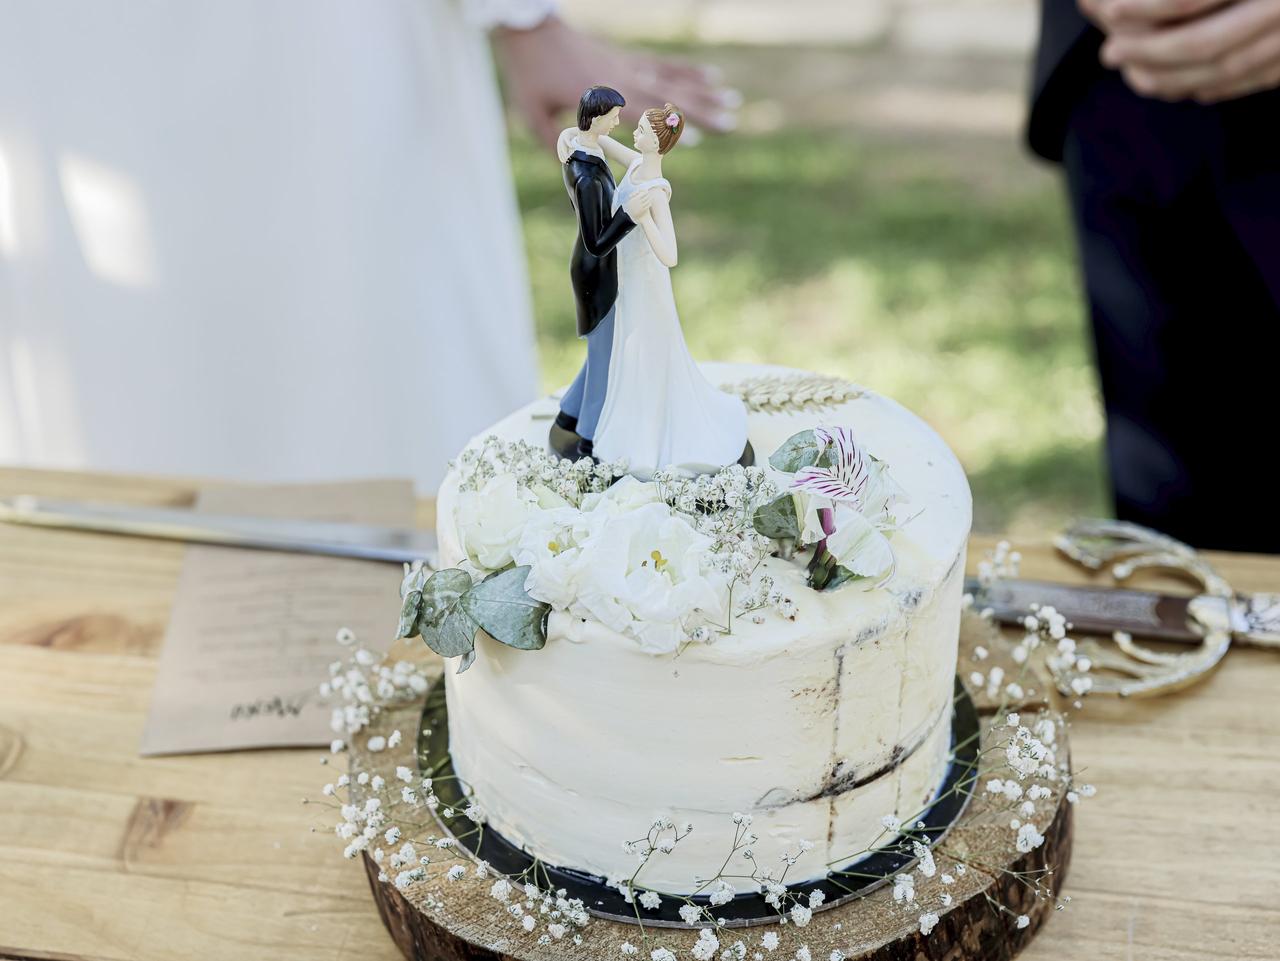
(335, 539)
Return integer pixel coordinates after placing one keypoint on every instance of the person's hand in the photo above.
(1205, 50)
(549, 66)
(637, 206)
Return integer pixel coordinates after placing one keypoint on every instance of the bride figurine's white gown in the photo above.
(659, 411)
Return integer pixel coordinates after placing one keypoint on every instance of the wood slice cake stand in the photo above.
(436, 919)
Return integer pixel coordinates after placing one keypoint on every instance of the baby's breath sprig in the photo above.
(365, 684)
(532, 468)
(723, 506)
(398, 820)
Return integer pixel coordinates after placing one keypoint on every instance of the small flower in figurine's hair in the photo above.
(673, 120)
(1023, 921)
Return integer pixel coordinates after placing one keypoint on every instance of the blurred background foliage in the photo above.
(924, 256)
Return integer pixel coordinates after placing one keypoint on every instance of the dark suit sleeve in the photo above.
(600, 231)
(1066, 65)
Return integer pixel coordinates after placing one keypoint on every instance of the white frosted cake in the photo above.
(669, 686)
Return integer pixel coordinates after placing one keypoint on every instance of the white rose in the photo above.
(627, 494)
(547, 498)
(491, 521)
(549, 546)
(642, 573)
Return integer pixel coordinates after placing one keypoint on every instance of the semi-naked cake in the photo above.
(823, 717)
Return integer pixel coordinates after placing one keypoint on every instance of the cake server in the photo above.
(1217, 616)
(1254, 619)
(334, 539)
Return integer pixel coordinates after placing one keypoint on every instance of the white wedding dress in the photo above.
(659, 410)
(257, 239)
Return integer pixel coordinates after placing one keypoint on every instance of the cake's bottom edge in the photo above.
(795, 843)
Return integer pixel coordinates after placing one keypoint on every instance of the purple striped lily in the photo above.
(852, 541)
(846, 480)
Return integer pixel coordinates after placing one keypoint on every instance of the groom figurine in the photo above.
(593, 268)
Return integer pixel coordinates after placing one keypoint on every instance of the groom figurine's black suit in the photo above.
(593, 268)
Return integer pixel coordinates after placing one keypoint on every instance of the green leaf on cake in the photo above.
(455, 636)
(441, 593)
(777, 519)
(467, 660)
(798, 452)
(411, 590)
(501, 607)
(429, 600)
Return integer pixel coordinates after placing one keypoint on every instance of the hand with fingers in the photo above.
(548, 66)
(637, 207)
(1203, 50)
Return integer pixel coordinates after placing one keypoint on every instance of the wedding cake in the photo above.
(771, 646)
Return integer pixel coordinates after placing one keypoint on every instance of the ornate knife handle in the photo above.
(1136, 670)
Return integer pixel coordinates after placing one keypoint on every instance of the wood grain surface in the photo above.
(105, 855)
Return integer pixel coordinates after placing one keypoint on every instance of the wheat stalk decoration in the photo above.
(782, 394)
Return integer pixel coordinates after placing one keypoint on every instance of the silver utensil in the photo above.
(335, 539)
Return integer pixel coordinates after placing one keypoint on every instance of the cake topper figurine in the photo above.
(640, 396)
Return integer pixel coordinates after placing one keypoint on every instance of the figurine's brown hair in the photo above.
(667, 135)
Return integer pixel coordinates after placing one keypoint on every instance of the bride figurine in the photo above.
(659, 410)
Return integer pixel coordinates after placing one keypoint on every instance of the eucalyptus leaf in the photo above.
(502, 607)
(427, 601)
(468, 659)
(455, 635)
(797, 452)
(777, 519)
(415, 578)
(409, 611)
(441, 593)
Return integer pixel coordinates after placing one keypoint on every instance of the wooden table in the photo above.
(105, 855)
